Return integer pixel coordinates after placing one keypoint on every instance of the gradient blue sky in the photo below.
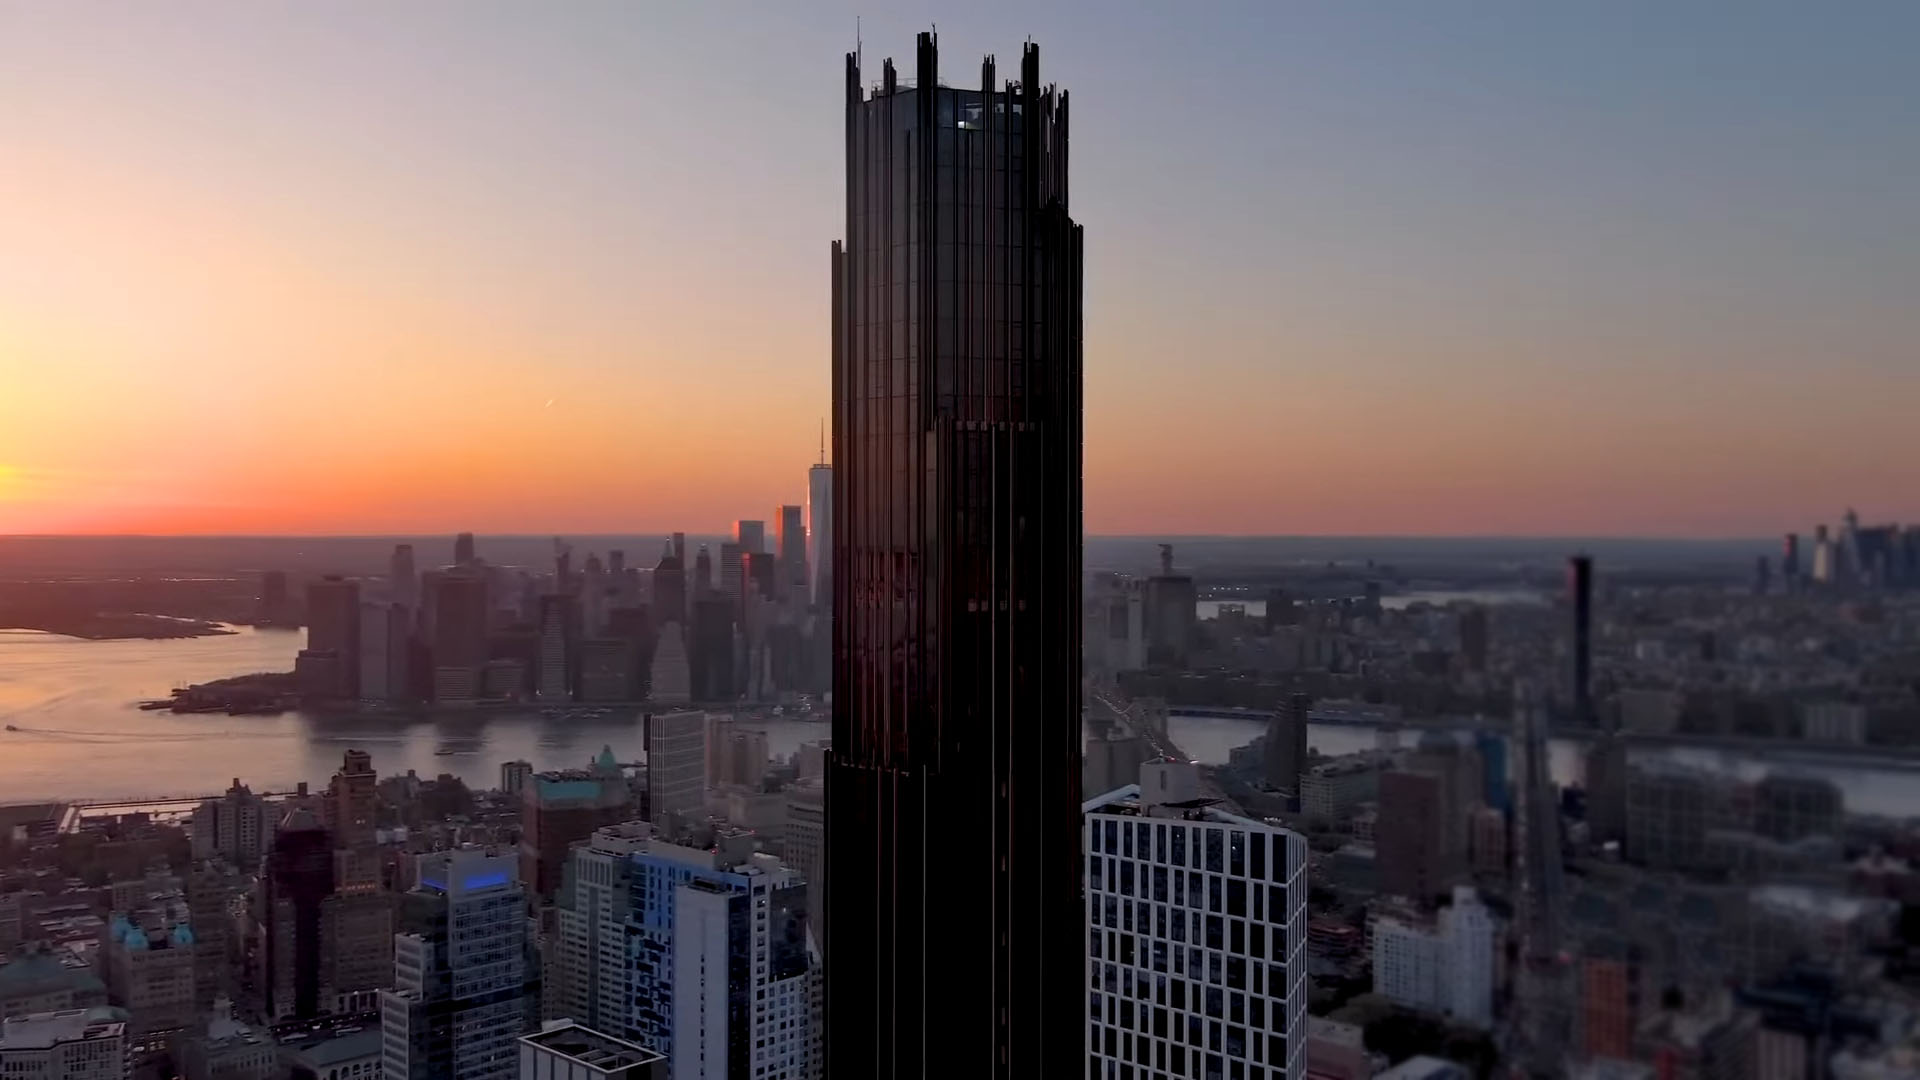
(1626, 268)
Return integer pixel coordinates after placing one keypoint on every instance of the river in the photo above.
(82, 737)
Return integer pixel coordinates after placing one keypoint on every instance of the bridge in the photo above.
(1111, 711)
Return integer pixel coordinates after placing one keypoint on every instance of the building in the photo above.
(1425, 1067)
(561, 808)
(676, 764)
(733, 576)
(238, 827)
(734, 983)
(1408, 834)
(1286, 746)
(1197, 935)
(462, 993)
(803, 844)
(730, 1020)
(1171, 614)
(1834, 722)
(333, 629)
(1337, 1051)
(356, 919)
(1444, 968)
(289, 918)
(820, 532)
(459, 601)
(554, 677)
(514, 776)
(1113, 761)
(35, 980)
(1580, 600)
(790, 543)
(72, 1044)
(671, 682)
(225, 1049)
(958, 497)
(463, 549)
(589, 925)
(670, 587)
(710, 663)
(607, 669)
(1789, 808)
(568, 1051)
(148, 970)
(350, 1054)
(1333, 790)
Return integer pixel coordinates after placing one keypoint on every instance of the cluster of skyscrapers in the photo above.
(750, 624)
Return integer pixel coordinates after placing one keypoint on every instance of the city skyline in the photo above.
(1507, 271)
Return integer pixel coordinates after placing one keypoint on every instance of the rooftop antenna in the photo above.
(823, 440)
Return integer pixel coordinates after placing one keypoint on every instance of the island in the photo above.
(261, 694)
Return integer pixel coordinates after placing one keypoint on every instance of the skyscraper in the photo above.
(459, 603)
(563, 807)
(554, 681)
(819, 532)
(676, 763)
(1208, 979)
(669, 588)
(1580, 597)
(1286, 747)
(333, 628)
(292, 891)
(956, 687)
(463, 549)
(790, 544)
(460, 1000)
(403, 583)
(671, 678)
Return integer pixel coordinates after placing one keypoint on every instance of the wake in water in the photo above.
(66, 735)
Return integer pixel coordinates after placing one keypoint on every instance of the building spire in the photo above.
(823, 440)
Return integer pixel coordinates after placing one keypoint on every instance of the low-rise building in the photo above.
(567, 1051)
(72, 1044)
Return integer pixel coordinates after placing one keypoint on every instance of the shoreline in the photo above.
(118, 627)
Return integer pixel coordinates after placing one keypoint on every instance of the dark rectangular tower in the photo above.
(1580, 596)
(954, 931)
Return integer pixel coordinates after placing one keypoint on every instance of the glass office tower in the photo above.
(954, 936)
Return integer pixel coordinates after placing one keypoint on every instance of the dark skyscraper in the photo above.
(333, 629)
(1790, 563)
(670, 587)
(1580, 595)
(463, 549)
(955, 934)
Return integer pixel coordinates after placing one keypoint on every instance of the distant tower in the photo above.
(702, 574)
(820, 529)
(750, 535)
(1823, 570)
(1762, 575)
(403, 582)
(1580, 595)
(790, 543)
(1541, 1002)
(463, 549)
(672, 679)
(670, 587)
(1790, 563)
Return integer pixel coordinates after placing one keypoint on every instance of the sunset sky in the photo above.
(1630, 268)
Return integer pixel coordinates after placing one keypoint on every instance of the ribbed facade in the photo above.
(954, 936)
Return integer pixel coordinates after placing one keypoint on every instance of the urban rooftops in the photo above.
(601, 1053)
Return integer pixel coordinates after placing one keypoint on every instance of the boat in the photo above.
(10, 727)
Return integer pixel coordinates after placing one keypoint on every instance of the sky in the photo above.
(1405, 268)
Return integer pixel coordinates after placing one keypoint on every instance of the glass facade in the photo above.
(953, 926)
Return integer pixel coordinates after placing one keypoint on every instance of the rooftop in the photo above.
(322, 1050)
(40, 1031)
(602, 1053)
